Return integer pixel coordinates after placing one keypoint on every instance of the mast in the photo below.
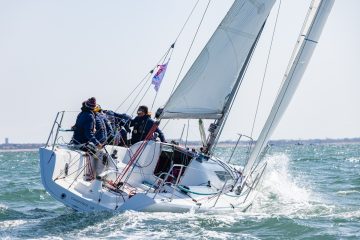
(217, 127)
(304, 48)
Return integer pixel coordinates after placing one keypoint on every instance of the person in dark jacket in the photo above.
(142, 124)
(104, 131)
(123, 123)
(84, 129)
(121, 126)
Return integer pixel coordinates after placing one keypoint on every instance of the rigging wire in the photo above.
(295, 50)
(146, 77)
(167, 62)
(167, 122)
(141, 89)
(265, 71)
(147, 90)
(192, 42)
(162, 59)
(182, 29)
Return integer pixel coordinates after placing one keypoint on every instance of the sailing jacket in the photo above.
(142, 126)
(84, 129)
(120, 125)
(104, 132)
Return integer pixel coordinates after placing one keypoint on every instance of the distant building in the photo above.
(6, 141)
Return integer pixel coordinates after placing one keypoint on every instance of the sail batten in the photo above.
(206, 87)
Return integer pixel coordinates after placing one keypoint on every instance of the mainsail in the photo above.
(208, 85)
(304, 48)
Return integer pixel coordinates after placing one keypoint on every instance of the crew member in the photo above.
(84, 128)
(142, 124)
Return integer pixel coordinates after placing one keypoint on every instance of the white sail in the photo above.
(206, 87)
(310, 33)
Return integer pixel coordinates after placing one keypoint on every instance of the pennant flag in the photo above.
(159, 75)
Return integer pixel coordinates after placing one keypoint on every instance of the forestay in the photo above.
(304, 48)
(205, 89)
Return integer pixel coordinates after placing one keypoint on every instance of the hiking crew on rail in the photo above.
(96, 127)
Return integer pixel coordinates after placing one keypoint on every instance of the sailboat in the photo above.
(157, 176)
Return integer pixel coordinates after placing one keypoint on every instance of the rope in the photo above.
(265, 71)
(182, 188)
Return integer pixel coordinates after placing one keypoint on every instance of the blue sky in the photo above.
(55, 54)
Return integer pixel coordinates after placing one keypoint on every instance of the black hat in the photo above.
(91, 103)
(143, 109)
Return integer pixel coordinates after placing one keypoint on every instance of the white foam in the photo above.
(12, 223)
(2, 206)
(353, 159)
(157, 225)
(347, 192)
(281, 193)
(351, 215)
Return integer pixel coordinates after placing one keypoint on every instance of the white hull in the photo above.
(65, 177)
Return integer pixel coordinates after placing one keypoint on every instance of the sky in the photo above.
(56, 54)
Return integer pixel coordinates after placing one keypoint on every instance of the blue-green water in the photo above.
(309, 192)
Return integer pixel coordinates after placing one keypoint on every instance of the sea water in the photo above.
(308, 192)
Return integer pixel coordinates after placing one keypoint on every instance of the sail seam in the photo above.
(241, 33)
(310, 40)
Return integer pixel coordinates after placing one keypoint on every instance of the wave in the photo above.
(348, 192)
(353, 159)
(284, 194)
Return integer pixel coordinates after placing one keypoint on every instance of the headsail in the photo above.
(205, 89)
(309, 36)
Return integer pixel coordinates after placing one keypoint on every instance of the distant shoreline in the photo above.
(19, 150)
(35, 146)
(18, 147)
